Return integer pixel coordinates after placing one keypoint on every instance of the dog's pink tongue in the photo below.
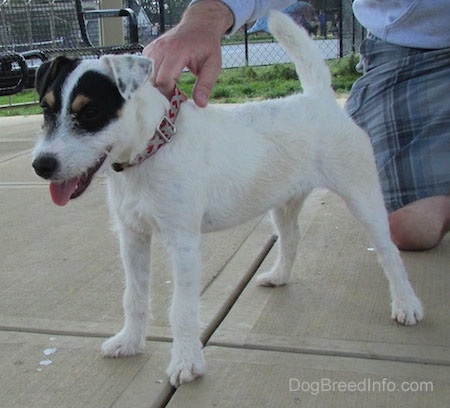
(62, 191)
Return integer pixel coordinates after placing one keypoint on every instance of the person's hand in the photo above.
(194, 43)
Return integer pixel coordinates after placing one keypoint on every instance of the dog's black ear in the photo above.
(50, 70)
(128, 72)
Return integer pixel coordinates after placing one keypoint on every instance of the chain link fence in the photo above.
(253, 45)
(255, 52)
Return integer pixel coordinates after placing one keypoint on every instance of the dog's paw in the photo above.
(121, 345)
(408, 312)
(185, 366)
(271, 279)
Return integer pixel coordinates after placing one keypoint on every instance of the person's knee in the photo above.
(408, 236)
(420, 225)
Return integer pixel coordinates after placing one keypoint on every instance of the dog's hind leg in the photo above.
(365, 201)
(135, 251)
(285, 220)
(187, 361)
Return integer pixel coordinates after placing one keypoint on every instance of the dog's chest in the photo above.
(132, 205)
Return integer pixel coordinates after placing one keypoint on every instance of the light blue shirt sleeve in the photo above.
(410, 23)
(251, 10)
(246, 11)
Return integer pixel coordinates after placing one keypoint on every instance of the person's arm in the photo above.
(195, 42)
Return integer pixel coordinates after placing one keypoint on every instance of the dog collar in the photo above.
(163, 133)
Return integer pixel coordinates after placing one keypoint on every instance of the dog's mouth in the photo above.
(63, 191)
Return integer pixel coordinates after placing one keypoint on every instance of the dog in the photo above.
(222, 167)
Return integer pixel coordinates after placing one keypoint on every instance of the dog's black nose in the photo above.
(45, 166)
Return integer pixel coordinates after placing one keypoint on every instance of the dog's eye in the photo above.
(89, 113)
(90, 118)
(46, 109)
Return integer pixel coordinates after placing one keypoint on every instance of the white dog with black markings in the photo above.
(221, 168)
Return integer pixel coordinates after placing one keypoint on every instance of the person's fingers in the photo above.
(206, 80)
(166, 67)
(148, 49)
(166, 74)
(193, 43)
(171, 53)
(202, 92)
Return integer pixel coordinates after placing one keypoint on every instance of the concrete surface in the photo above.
(324, 340)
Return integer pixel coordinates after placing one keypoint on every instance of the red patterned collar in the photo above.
(163, 133)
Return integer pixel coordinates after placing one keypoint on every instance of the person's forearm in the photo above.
(214, 13)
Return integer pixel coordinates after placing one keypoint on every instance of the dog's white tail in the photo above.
(309, 63)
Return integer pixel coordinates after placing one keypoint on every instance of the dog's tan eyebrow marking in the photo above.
(49, 99)
(79, 102)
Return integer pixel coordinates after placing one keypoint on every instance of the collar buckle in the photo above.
(166, 129)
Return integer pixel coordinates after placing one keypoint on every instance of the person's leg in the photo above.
(422, 224)
(401, 103)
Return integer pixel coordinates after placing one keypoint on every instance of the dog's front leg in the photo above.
(135, 251)
(187, 357)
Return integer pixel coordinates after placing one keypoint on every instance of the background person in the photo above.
(323, 24)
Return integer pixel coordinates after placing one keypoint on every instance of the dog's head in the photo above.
(83, 102)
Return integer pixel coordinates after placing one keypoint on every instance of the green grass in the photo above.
(243, 84)
(25, 97)
(275, 81)
(238, 38)
(234, 85)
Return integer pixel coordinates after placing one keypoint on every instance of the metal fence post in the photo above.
(246, 44)
(162, 22)
(352, 31)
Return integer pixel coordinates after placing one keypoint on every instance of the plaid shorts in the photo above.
(403, 102)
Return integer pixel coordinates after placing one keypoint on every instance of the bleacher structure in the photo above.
(32, 31)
